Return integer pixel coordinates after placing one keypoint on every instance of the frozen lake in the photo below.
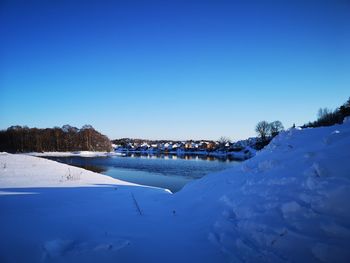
(166, 171)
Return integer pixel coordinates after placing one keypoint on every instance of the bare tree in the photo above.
(223, 141)
(276, 127)
(323, 113)
(263, 129)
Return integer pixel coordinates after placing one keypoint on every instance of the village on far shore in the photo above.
(243, 149)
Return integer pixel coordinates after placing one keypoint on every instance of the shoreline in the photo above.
(241, 155)
(245, 154)
(73, 153)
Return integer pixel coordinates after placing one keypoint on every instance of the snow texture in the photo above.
(289, 203)
(79, 153)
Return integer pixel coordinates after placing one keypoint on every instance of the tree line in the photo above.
(266, 131)
(326, 117)
(24, 139)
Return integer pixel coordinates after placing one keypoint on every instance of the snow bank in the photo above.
(23, 171)
(289, 203)
(79, 153)
(52, 212)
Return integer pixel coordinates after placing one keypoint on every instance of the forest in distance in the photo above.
(68, 138)
(21, 139)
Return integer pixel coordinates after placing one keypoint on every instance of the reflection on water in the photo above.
(96, 169)
(84, 163)
(182, 156)
(166, 171)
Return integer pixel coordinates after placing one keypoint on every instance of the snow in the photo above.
(78, 153)
(21, 171)
(289, 203)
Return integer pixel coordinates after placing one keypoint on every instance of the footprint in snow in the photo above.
(57, 247)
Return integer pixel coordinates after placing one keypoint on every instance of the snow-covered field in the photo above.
(79, 153)
(26, 171)
(289, 203)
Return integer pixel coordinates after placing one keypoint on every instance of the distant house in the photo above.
(211, 145)
(188, 145)
(145, 145)
(175, 146)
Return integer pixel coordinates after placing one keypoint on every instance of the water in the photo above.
(171, 172)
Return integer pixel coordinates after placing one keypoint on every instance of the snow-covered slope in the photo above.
(23, 171)
(289, 203)
(52, 212)
(78, 153)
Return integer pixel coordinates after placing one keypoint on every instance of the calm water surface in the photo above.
(171, 172)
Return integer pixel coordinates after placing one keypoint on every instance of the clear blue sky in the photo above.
(172, 69)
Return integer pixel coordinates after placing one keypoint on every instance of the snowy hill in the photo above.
(289, 203)
(25, 171)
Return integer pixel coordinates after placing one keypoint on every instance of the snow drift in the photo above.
(289, 203)
(27, 171)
